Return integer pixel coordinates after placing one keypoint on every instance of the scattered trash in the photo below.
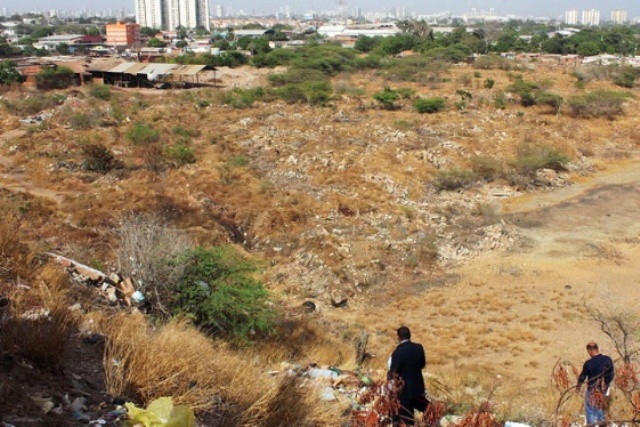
(160, 413)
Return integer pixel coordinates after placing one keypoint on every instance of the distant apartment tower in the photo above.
(218, 11)
(591, 17)
(571, 17)
(149, 13)
(123, 34)
(619, 16)
(170, 14)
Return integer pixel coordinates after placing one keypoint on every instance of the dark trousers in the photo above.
(407, 408)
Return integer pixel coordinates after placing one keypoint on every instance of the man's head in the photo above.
(404, 333)
(592, 349)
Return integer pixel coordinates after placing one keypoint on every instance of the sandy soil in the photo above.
(514, 315)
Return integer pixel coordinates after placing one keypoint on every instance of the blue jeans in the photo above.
(591, 409)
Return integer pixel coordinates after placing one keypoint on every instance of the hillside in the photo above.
(489, 228)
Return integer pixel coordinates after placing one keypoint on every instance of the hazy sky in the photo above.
(552, 8)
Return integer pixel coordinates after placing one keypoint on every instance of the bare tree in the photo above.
(148, 252)
(620, 324)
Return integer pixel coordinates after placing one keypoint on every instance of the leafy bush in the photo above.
(553, 100)
(301, 85)
(600, 103)
(387, 98)
(180, 154)
(9, 73)
(429, 105)
(453, 179)
(530, 158)
(54, 78)
(242, 98)
(101, 92)
(143, 134)
(99, 158)
(406, 92)
(238, 161)
(218, 291)
(417, 69)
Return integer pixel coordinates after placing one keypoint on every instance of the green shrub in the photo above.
(218, 292)
(143, 134)
(417, 69)
(186, 132)
(180, 154)
(242, 98)
(406, 92)
(54, 78)
(601, 103)
(9, 73)
(387, 98)
(552, 100)
(32, 104)
(522, 87)
(99, 158)
(500, 100)
(453, 179)
(101, 92)
(530, 158)
(429, 105)
(489, 83)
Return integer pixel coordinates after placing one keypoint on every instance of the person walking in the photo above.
(598, 371)
(406, 364)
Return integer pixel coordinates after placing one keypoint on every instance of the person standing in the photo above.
(599, 372)
(407, 362)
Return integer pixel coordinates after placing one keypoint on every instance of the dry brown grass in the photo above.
(146, 362)
(40, 323)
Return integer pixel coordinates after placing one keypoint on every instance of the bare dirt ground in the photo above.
(582, 245)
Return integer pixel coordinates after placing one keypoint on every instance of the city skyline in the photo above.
(549, 8)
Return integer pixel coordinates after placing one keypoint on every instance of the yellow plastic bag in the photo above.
(160, 413)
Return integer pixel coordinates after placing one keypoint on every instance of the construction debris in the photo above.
(113, 287)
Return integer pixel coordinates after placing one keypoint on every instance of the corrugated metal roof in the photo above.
(76, 67)
(136, 67)
(104, 65)
(159, 69)
(121, 68)
(188, 70)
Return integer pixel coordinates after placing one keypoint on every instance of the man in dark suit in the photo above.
(407, 362)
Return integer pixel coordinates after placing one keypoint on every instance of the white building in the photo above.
(171, 14)
(149, 13)
(591, 17)
(619, 16)
(571, 17)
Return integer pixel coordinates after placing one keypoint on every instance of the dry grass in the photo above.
(146, 362)
(40, 323)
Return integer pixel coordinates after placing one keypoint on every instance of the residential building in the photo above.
(71, 40)
(149, 13)
(171, 14)
(123, 34)
(591, 17)
(619, 16)
(571, 17)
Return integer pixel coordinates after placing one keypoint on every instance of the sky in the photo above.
(551, 8)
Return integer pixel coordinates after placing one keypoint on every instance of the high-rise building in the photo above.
(149, 13)
(591, 17)
(171, 14)
(218, 11)
(619, 16)
(571, 17)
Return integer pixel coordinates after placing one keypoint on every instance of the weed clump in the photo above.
(453, 179)
(601, 103)
(429, 105)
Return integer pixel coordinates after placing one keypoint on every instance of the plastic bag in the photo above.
(160, 413)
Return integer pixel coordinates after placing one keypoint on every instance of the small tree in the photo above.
(156, 42)
(9, 73)
(387, 98)
(218, 291)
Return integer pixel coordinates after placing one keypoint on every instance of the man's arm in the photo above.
(609, 372)
(423, 362)
(583, 375)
